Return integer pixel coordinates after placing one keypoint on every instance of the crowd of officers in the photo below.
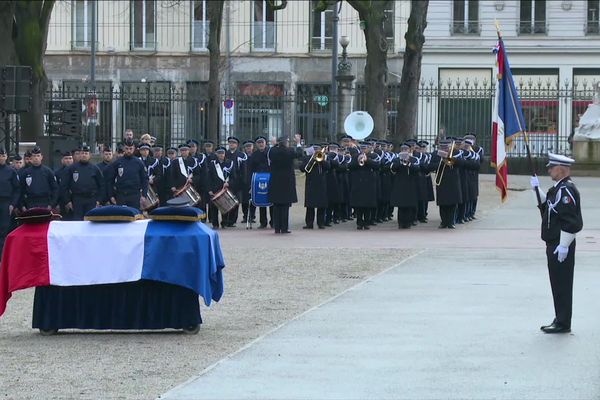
(344, 181)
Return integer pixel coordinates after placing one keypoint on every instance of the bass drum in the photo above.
(225, 201)
(261, 184)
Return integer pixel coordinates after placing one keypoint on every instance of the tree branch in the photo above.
(46, 12)
(363, 7)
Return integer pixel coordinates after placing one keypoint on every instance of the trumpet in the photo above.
(447, 161)
(317, 157)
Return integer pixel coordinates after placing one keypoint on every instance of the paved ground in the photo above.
(458, 320)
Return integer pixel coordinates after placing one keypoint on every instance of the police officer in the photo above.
(127, 178)
(38, 184)
(561, 220)
(107, 158)
(258, 162)
(17, 162)
(82, 186)
(9, 195)
(60, 173)
(282, 192)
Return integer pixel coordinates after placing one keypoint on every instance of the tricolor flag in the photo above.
(508, 118)
(91, 253)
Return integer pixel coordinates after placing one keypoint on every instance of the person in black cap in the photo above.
(561, 221)
(363, 186)
(38, 184)
(27, 158)
(17, 162)
(82, 186)
(334, 190)
(9, 195)
(257, 163)
(220, 172)
(107, 158)
(235, 184)
(181, 172)
(405, 196)
(282, 192)
(60, 174)
(315, 187)
(127, 179)
(425, 183)
(248, 209)
(155, 172)
(208, 148)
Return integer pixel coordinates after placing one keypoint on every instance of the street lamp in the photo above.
(344, 65)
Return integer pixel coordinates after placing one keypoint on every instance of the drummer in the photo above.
(220, 172)
(181, 170)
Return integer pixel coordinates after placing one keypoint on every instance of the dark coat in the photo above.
(334, 186)
(283, 178)
(405, 185)
(214, 181)
(315, 187)
(363, 186)
(449, 191)
(385, 177)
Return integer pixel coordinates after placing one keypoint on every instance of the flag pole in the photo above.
(525, 135)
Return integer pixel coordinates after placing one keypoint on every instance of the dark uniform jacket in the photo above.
(258, 162)
(405, 184)
(238, 158)
(82, 179)
(315, 186)
(103, 166)
(449, 191)
(127, 175)
(334, 187)
(363, 186)
(38, 184)
(175, 179)
(561, 211)
(9, 185)
(215, 183)
(283, 178)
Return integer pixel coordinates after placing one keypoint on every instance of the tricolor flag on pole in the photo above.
(508, 121)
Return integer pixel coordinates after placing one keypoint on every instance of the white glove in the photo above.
(535, 182)
(562, 252)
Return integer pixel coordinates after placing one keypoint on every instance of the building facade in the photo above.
(152, 65)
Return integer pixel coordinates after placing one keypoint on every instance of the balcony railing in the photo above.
(532, 28)
(592, 27)
(465, 28)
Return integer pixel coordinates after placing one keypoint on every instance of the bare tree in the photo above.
(411, 71)
(214, 13)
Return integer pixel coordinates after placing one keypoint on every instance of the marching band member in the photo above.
(448, 190)
(334, 189)
(316, 167)
(248, 209)
(235, 186)
(182, 171)
(475, 174)
(385, 177)
(425, 182)
(220, 172)
(363, 185)
(209, 150)
(283, 181)
(258, 162)
(404, 194)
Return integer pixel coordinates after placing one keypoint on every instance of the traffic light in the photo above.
(64, 117)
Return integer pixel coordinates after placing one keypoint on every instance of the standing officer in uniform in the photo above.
(17, 162)
(258, 162)
(107, 156)
(60, 174)
(38, 184)
(82, 186)
(127, 178)
(561, 220)
(9, 195)
(282, 192)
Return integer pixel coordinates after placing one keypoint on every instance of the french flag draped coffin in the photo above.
(88, 253)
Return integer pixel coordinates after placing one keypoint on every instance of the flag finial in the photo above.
(498, 28)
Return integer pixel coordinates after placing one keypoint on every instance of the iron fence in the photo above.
(176, 112)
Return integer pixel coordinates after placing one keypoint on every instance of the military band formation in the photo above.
(350, 180)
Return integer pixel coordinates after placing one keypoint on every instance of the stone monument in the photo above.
(586, 140)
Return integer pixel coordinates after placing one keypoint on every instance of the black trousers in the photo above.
(422, 210)
(561, 282)
(81, 205)
(248, 210)
(281, 214)
(447, 215)
(406, 216)
(362, 216)
(213, 215)
(310, 216)
(5, 221)
(130, 200)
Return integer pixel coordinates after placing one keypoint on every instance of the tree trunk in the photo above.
(411, 72)
(32, 19)
(215, 18)
(7, 47)
(372, 13)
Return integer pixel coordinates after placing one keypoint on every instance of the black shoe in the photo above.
(253, 219)
(360, 228)
(328, 225)
(549, 325)
(336, 221)
(556, 328)
(286, 231)
(473, 217)
(307, 227)
(451, 227)
(344, 220)
(459, 222)
(215, 226)
(414, 223)
(366, 228)
(323, 227)
(262, 226)
(244, 220)
(231, 225)
(442, 226)
(423, 221)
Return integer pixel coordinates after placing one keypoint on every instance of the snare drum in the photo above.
(151, 200)
(191, 195)
(225, 201)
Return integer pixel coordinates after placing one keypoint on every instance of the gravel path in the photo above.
(264, 288)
